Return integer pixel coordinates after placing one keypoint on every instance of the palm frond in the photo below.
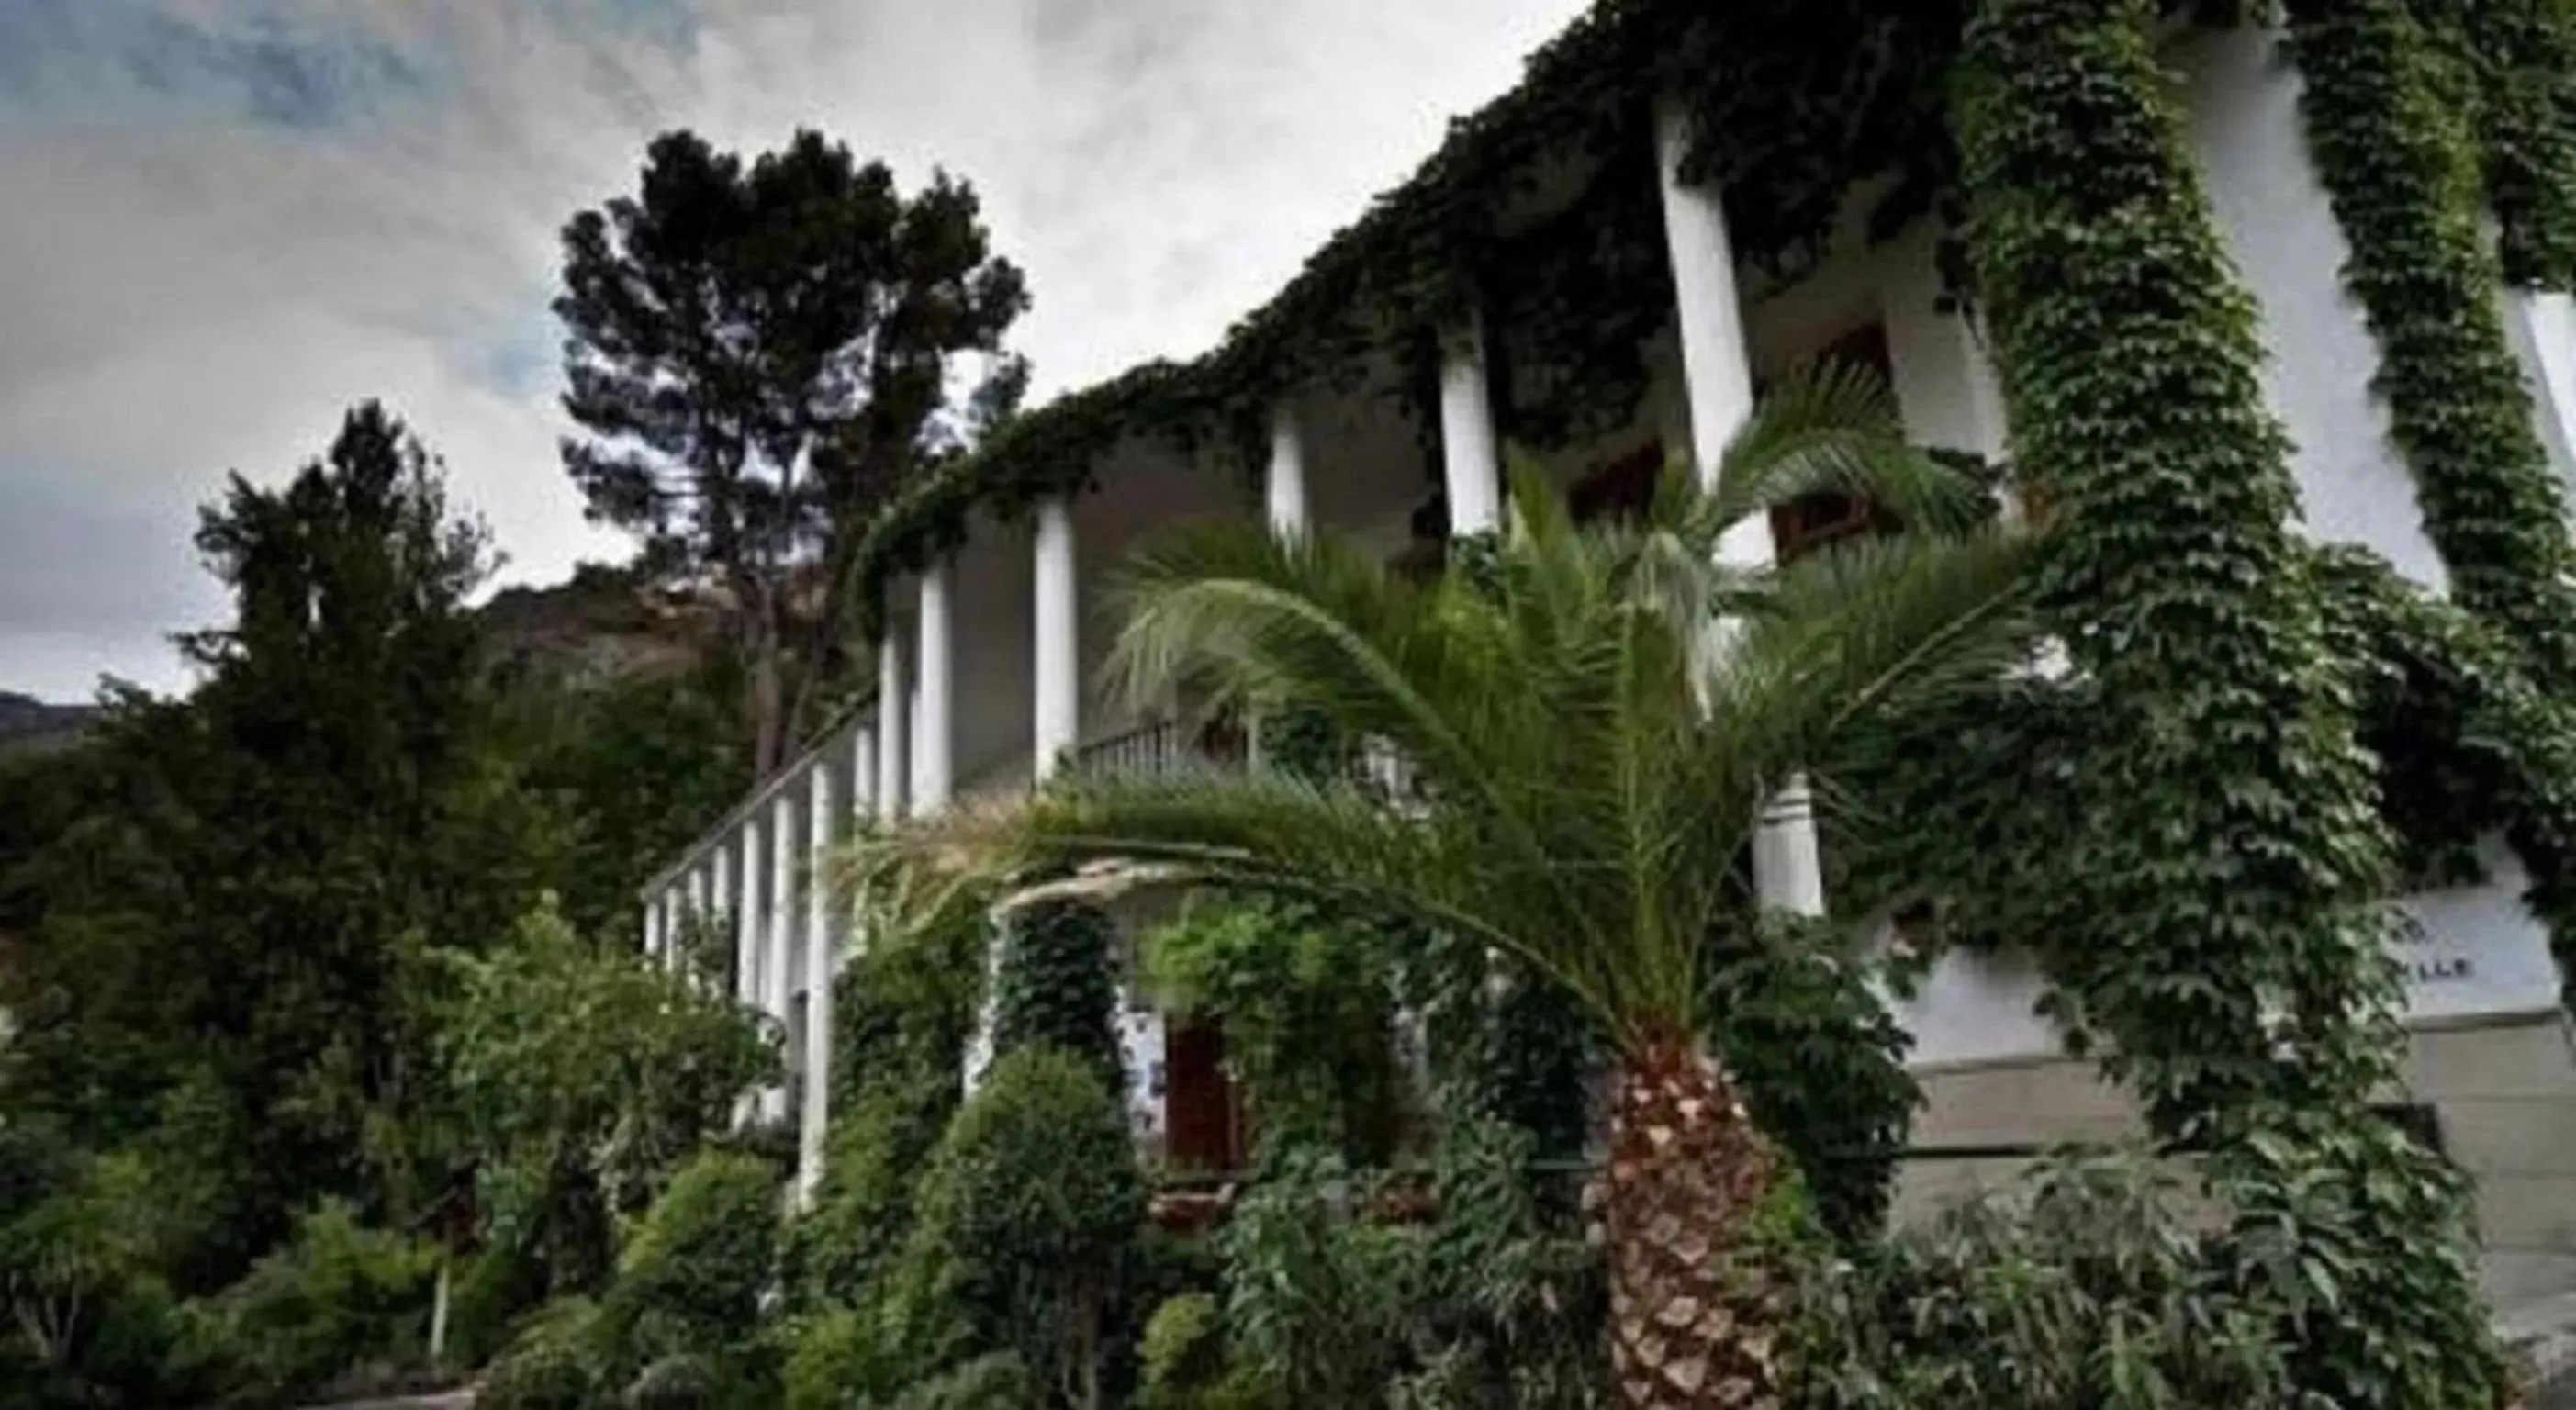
(1834, 427)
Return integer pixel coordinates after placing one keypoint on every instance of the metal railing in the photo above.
(1165, 746)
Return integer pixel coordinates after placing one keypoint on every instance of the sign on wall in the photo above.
(2468, 952)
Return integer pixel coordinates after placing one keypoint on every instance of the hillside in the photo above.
(31, 726)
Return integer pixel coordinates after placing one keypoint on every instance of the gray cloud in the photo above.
(222, 221)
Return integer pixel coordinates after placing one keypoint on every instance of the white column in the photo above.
(653, 926)
(938, 668)
(1788, 870)
(1285, 486)
(1470, 459)
(1056, 727)
(825, 814)
(893, 704)
(702, 907)
(778, 974)
(744, 897)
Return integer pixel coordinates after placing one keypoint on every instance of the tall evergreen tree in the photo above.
(762, 354)
(231, 948)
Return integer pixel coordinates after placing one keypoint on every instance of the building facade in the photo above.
(991, 626)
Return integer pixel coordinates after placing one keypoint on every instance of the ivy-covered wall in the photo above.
(2218, 885)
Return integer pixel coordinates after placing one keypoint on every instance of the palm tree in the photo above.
(1594, 717)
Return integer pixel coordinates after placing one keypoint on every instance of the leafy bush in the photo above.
(1027, 1211)
(1182, 1355)
(836, 1360)
(841, 1249)
(994, 1382)
(1056, 984)
(1316, 1300)
(570, 1058)
(692, 1277)
(2088, 1288)
(1821, 1063)
(338, 1298)
(554, 1363)
(1309, 1014)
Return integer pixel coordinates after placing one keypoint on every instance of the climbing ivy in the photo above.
(2222, 868)
(2403, 173)
(2469, 745)
(2523, 57)
(1056, 985)
(1789, 105)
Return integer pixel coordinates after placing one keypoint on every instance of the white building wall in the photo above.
(2246, 130)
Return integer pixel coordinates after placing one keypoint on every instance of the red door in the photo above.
(1200, 1131)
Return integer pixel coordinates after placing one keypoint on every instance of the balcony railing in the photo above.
(1166, 746)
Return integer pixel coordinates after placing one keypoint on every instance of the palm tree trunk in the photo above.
(1697, 1315)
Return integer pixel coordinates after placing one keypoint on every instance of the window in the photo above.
(1812, 521)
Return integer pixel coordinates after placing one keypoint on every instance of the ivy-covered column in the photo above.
(2399, 162)
(2524, 57)
(2221, 908)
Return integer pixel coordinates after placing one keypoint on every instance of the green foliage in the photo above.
(339, 1296)
(1056, 984)
(570, 1059)
(1789, 103)
(636, 766)
(2403, 173)
(81, 1243)
(1588, 774)
(1494, 1304)
(761, 353)
(2524, 99)
(555, 1363)
(843, 1248)
(1314, 1300)
(691, 1277)
(2219, 864)
(1027, 1211)
(2092, 1288)
(993, 1382)
(1822, 1065)
(1308, 1007)
(232, 936)
(1182, 1354)
(904, 1009)
(836, 1360)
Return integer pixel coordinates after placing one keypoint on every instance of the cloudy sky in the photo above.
(222, 221)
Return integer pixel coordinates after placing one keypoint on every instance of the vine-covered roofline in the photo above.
(1791, 104)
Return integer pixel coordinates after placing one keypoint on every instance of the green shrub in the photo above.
(1026, 1214)
(691, 1278)
(682, 1381)
(553, 1364)
(1316, 1302)
(995, 1382)
(1182, 1354)
(338, 1298)
(1821, 1063)
(837, 1359)
(2087, 1288)
(841, 1249)
(1056, 985)
(1309, 1013)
